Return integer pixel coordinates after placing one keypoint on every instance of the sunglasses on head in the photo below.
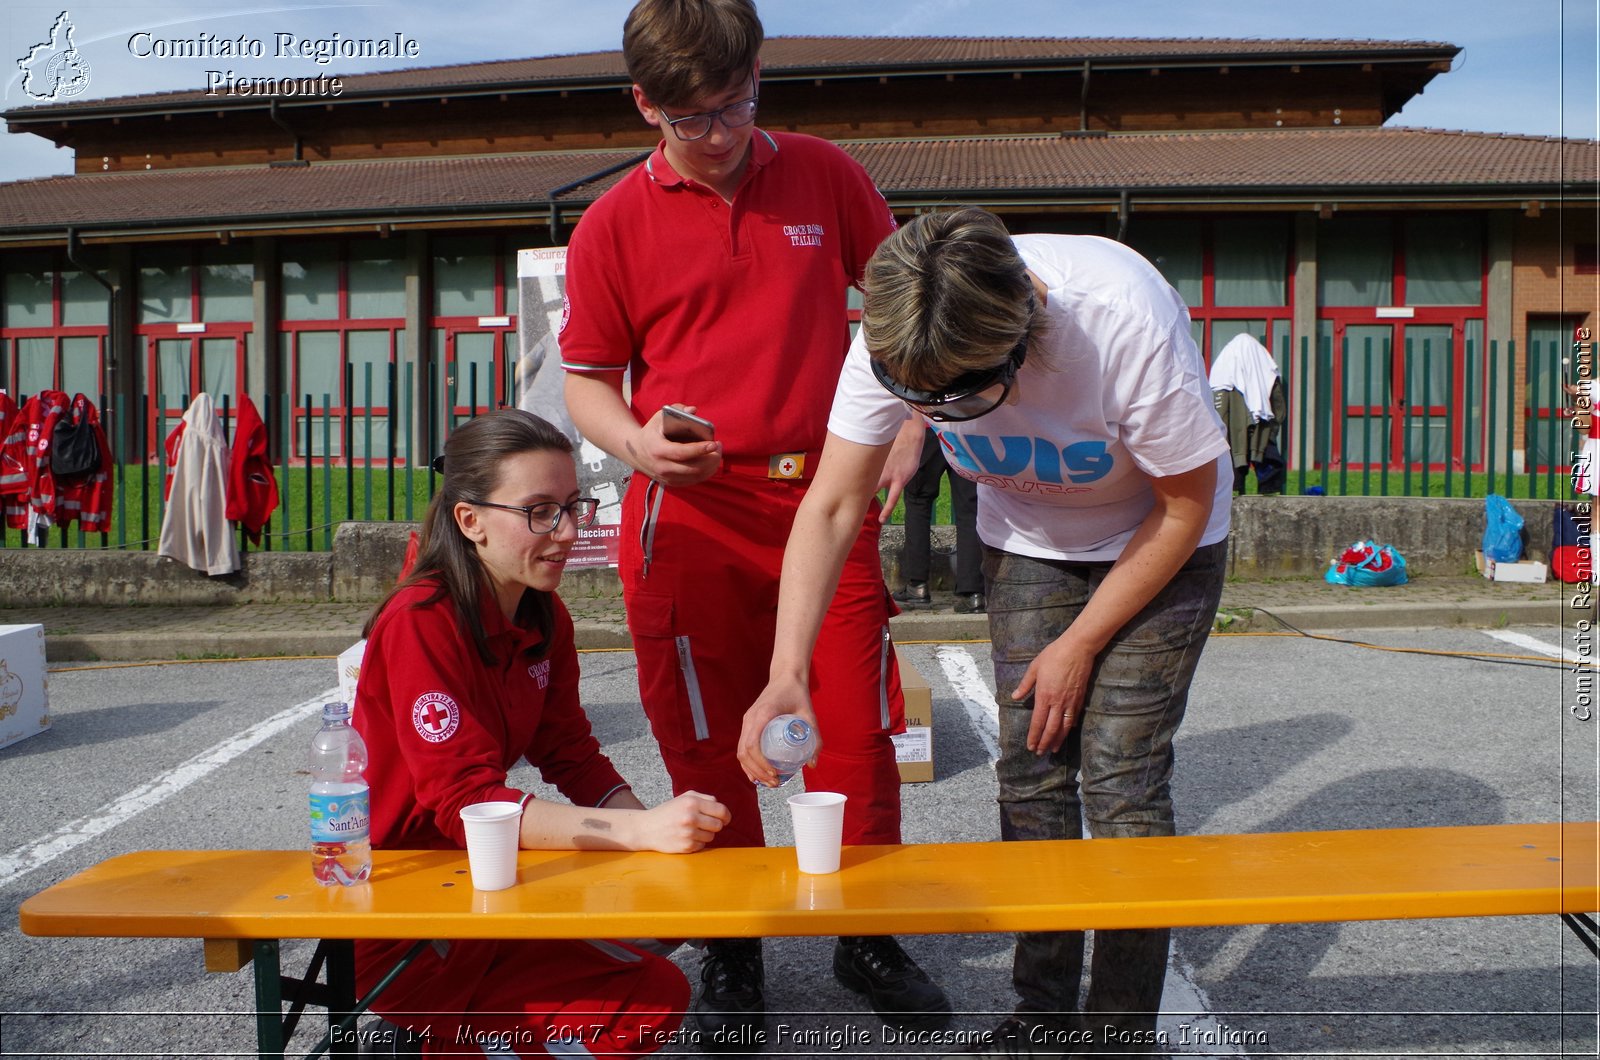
(965, 397)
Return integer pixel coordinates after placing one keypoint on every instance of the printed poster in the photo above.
(541, 284)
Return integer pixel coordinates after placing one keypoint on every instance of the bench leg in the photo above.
(342, 970)
(269, 1001)
(342, 995)
(337, 994)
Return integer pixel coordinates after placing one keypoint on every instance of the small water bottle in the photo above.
(340, 802)
(788, 743)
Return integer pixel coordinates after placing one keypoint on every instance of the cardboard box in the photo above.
(913, 749)
(1522, 571)
(24, 688)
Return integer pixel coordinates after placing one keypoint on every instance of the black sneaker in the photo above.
(730, 1012)
(971, 604)
(914, 595)
(901, 993)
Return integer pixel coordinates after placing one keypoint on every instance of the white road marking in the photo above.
(1522, 640)
(976, 697)
(73, 834)
(1186, 1017)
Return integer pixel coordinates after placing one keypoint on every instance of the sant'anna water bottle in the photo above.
(788, 743)
(341, 813)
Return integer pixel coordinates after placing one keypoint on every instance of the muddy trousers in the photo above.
(1113, 773)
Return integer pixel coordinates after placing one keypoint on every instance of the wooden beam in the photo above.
(227, 955)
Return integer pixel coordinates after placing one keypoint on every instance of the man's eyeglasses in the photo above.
(965, 397)
(543, 518)
(692, 127)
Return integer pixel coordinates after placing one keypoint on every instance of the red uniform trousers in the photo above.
(532, 997)
(700, 568)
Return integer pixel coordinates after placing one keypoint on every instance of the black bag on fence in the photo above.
(74, 450)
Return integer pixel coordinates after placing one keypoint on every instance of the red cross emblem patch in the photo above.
(786, 466)
(436, 716)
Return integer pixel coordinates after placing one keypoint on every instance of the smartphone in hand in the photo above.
(680, 426)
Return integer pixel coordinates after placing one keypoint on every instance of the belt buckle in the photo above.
(788, 466)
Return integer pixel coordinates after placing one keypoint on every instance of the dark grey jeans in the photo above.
(1113, 772)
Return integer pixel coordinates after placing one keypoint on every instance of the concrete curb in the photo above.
(925, 626)
(132, 647)
(1475, 614)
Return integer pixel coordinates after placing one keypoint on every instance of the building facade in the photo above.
(350, 261)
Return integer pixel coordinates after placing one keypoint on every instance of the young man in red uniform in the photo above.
(716, 272)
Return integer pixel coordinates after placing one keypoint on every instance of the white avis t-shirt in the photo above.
(1112, 394)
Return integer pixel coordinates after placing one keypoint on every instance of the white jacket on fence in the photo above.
(1246, 366)
(195, 530)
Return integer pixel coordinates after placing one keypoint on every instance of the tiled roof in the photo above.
(1225, 164)
(822, 55)
(787, 52)
(1280, 158)
(381, 190)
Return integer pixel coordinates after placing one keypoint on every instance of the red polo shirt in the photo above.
(442, 729)
(738, 309)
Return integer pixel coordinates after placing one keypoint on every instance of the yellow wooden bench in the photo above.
(242, 902)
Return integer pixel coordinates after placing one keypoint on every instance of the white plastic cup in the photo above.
(494, 831)
(818, 829)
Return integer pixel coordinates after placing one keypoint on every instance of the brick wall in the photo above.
(1545, 282)
(1543, 277)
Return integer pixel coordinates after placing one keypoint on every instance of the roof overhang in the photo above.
(1321, 170)
(796, 59)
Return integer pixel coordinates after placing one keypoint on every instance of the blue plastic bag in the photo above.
(1502, 536)
(1367, 563)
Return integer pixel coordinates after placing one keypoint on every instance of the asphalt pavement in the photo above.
(1430, 727)
(1283, 733)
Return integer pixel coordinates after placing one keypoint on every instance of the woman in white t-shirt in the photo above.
(1059, 374)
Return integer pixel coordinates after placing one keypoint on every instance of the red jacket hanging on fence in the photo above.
(252, 489)
(28, 447)
(87, 497)
(29, 487)
(12, 482)
(172, 444)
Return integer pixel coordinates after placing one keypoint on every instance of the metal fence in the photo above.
(1430, 424)
(1435, 424)
(308, 439)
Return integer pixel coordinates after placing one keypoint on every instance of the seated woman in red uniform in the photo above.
(469, 667)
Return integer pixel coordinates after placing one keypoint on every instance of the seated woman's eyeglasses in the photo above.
(692, 127)
(965, 397)
(543, 518)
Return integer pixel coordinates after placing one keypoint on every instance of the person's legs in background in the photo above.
(969, 550)
(920, 494)
(1270, 470)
